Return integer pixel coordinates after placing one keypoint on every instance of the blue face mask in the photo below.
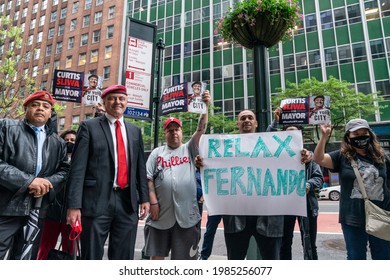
(360, 142)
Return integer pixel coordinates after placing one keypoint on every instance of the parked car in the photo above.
(331, 193)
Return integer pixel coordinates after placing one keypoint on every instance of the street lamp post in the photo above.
(258, 37)
(156, 99)
(262, 98)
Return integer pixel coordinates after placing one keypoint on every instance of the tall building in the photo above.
(76, 35)
(346, 39)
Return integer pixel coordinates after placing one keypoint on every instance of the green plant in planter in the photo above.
(252, 22)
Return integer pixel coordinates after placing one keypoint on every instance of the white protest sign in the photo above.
(253, 174)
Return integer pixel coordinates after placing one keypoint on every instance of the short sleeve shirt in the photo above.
(375, 179)
(173, 173)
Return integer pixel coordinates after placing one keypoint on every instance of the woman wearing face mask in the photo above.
(55, 219)
(361, 144)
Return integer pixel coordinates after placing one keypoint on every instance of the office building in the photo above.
(346, 39)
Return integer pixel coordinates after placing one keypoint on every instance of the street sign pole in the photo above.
(156, 99)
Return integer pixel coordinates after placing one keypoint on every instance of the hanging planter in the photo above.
(259, 22)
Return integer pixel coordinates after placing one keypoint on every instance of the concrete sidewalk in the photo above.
(329, 246)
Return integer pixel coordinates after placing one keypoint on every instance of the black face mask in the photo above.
(69, 147)
(360, 142)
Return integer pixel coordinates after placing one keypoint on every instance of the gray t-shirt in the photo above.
(173, 173)
(375, 179)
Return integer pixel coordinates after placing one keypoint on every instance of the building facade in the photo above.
(346, 39)
(76, 35)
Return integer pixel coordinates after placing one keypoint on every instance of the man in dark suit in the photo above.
(107, 181)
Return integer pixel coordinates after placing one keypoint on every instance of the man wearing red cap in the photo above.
(173, 223)
(32, 168)
(107, 181)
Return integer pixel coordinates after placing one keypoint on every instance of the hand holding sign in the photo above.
(253, 174)
(305, 110)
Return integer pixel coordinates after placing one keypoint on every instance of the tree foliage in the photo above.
(14, 83)
(346, 104)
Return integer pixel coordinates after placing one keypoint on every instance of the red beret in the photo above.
(171, 120)
(39, 95)
(114, 89)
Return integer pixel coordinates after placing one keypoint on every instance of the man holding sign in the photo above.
(267, 230)
(173, 223)
(253, 179)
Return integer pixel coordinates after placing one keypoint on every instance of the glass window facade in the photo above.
(334, 38)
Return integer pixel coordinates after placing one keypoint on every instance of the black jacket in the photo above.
(313, 176)
(92, 172)
(315, 179)
(18, 157)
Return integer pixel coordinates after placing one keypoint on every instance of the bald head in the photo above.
(246, 122)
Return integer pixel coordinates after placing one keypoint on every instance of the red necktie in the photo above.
(122, 164)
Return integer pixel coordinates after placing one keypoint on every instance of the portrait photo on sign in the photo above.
(92, 90)
(195, 90)
(319, 109)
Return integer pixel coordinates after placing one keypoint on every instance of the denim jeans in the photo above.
(308, 229)
(208, 238)
(237, 243)
(356, 240)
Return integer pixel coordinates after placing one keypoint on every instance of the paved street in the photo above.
(330, 243)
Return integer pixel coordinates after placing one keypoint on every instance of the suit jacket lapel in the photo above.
(107, 132)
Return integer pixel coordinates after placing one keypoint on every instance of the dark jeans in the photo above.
(237, 243)
(208, 238)
(10, 228)
(356, 240)
(308, 229)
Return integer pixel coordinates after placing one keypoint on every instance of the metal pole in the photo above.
(156, 98)
(262, 115)
(261, 95)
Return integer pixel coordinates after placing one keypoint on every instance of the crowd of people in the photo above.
(99, 176)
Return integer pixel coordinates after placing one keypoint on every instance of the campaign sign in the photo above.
(68, 85)
(92, 97)
(195, 103)
(253, 174)
(319, 109)
(92, 91)
(305, 110)
(174, 99)
(185, 97)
